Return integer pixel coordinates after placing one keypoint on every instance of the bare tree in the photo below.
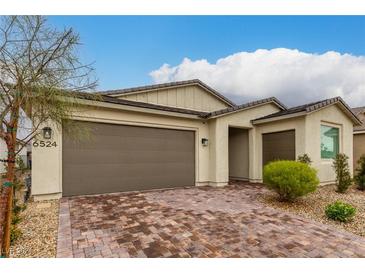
(41, 78)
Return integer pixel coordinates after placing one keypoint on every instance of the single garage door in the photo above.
(126, 158)
(278, 146)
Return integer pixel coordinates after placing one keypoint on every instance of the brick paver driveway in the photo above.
(193, 222)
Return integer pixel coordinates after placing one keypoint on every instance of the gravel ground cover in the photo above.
(39, 226)
(313, 206)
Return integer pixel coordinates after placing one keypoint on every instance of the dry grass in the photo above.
(39, 225)
(313, 206)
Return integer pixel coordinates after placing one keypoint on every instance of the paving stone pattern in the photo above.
(194, 222)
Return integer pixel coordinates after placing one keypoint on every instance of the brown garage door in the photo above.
(278, 146)
(126, 158)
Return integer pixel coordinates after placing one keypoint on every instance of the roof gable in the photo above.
(150, 88)
(117, 101)
(311, 107)
(245, 106)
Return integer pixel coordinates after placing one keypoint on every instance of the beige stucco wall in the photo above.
(212, 162)
(359, 147)
(47, 165)
(308, 139)
(188, 97)
(332, 116)
(47, 162)
(218, 129)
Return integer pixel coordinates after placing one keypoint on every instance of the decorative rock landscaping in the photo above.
(313, 206)
(39, 226)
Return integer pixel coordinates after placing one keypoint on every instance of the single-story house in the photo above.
(359, 135)
(184, 134)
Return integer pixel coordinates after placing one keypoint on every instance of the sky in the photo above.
(298, 59)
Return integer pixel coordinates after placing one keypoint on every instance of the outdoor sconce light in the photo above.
(205, 142)
(47, 133)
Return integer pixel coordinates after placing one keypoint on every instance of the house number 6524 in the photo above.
(37, 143)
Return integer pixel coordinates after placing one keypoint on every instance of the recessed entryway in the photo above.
(238, 154)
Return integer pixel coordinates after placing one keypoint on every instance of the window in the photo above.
(329, 142)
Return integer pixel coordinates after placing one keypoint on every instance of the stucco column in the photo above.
(253, 157)
(219, 171)
(46, 165)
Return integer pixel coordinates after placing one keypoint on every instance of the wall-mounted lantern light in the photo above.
(47, 133)
(205, 142)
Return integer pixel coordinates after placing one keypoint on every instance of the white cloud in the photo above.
(294, 77)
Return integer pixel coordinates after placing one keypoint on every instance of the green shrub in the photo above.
(15, 234)
(290, 179)
(304, 159)
(343, 175)
(360, 173)
(340, 211)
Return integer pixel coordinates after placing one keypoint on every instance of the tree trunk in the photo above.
(11, 142)
(8, 196)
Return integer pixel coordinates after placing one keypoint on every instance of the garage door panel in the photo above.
(278, 146)
(124, 158)
(114, 157)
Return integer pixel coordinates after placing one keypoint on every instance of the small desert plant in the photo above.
(304, 159)
(290, 179)
(340, 211)
(360, 173)
(343, 175)
(15, 233)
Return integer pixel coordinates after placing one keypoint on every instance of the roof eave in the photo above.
(359, 131)
(241, 109)
(278, 118)
(249, 105)
(146, 109)
(339, 101)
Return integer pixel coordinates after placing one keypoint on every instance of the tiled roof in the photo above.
(308, 108)
(109, 99)
(244, 106)
(360, 112)
(201, 114)
(168, 85)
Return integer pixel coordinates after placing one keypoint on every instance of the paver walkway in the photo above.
(194, 222)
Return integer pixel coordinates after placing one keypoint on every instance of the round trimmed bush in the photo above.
(290, 179)
(340, 211)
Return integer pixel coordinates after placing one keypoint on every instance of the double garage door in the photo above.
(116, 158)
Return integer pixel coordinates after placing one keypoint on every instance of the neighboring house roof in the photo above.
(311, 107)
(360, 112)
(169, 85)
(245, 106)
